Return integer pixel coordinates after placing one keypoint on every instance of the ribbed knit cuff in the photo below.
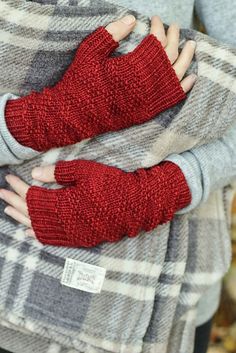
(45, 221)
(177, 184)
(18, 120)
(12, 152)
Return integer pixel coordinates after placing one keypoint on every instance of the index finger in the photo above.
(19, 186)
(158, 30)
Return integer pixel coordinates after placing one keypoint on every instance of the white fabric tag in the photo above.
(83, 276)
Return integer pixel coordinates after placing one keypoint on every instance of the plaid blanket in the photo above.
(153, 282)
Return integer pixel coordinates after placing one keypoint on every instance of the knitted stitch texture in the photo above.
(97, 94)
(104, 203)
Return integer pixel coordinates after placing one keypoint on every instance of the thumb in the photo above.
(122, 27)
(44, 174)
(63, 172)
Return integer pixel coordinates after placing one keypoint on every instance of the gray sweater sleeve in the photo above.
(213, 165)
(11, 152)
(208, 167)
(218, 18)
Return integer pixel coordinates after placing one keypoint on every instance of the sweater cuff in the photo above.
(12, 152)
(18, 119)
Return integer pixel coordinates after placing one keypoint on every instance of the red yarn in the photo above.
(102, 203)
(97, 94)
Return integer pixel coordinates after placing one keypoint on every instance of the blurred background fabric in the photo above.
(223, 336)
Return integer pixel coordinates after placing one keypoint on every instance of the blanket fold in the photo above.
(153, 282)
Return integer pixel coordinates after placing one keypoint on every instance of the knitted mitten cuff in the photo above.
(105, 203)
(176, 182)
(44, 219)
(97, 94)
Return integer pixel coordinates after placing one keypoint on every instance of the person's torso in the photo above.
(178, 11)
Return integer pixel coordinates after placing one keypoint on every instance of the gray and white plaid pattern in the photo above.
(154, 281)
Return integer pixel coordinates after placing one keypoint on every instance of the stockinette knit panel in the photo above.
(153, 282)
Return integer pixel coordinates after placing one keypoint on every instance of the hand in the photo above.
(17, 198)
(170, 42)
(132, 88)
(98, 203)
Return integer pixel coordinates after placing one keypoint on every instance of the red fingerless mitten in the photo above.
(97, 94)
(102, 203)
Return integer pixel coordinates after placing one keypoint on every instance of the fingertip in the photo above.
(37, 173)
(122, 27)
(188, 82)
(192, 43)
(128, 20)
(8, 178)
(45, 174)
(155, 18)
(173, 32)
(7, 210)
(194, 77)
